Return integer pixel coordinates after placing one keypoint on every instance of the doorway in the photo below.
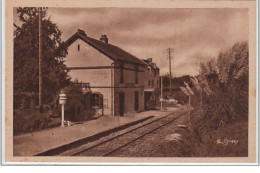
(136, 100)
(146, 99)
(121, 104)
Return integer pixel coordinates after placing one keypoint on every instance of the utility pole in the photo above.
(170, 68)
(40, 57)
(161, 93)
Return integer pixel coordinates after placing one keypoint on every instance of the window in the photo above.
(94, 99)
(97, 100)
(149, 83)
(121, 66)
(78, 47)
(100, 100)
(152, 83)
(136, 74)
(149, 69)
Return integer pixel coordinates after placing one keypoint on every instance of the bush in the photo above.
(228, 101)
(30, 120)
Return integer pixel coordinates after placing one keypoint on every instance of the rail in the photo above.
(107, 153)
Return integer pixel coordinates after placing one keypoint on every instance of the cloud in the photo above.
(194, 34)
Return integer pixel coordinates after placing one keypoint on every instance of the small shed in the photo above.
(84, 107)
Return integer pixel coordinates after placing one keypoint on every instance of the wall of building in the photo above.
(129, 87)
(150, 78)
(151, 87)
(80, 54)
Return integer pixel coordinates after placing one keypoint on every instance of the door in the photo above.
(136, 101)
(121, 104)
(146, 99)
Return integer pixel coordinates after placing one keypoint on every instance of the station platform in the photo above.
(46, 142)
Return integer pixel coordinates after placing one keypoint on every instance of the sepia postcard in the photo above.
(130, 82)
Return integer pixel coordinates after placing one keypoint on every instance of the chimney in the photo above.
(82, 32)
(150, 59)
(104, 38)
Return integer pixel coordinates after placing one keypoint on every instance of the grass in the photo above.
(233, 141)
(228, 141)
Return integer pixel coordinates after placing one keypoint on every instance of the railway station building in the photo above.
(107, 69)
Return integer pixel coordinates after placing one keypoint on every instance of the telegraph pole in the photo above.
(40, 57)
(161, 93)
(170, 68)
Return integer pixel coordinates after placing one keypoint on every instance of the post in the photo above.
(62, 115)
(112, 89)
(170, 69)
(189, 112)
(161, 93)
(40, 57)
(62, 101)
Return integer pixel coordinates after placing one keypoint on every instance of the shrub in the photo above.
(229, 85)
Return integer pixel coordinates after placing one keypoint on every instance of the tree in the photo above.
(26, 45)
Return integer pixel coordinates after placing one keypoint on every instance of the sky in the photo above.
(195, 35)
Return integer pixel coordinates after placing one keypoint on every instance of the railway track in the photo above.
(111, 145)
